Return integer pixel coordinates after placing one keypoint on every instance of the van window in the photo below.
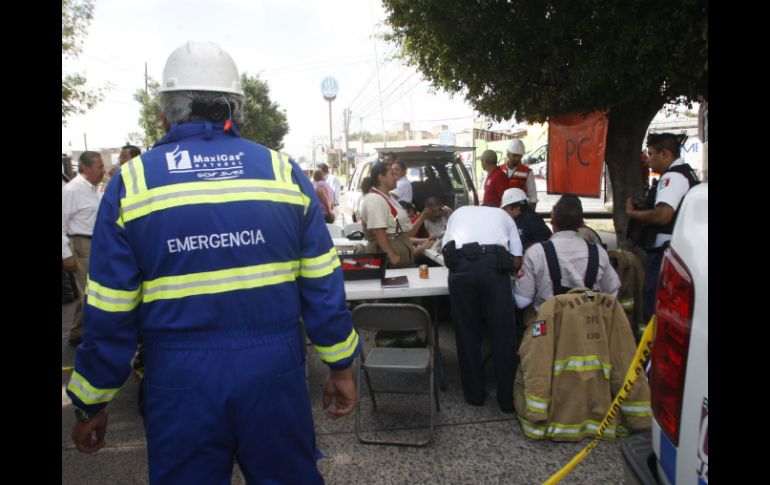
(455, 177)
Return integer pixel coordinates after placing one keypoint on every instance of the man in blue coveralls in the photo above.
(213, 246)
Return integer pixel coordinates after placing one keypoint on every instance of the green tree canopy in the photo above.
(530, 60)
(264, 122)
(75, 97)
(149, 116)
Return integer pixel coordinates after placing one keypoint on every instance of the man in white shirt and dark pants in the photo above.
(482, 249)
(79, 204)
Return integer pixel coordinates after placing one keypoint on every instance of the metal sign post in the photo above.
(329, 88)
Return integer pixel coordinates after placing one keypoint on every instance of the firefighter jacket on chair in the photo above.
(574, 358)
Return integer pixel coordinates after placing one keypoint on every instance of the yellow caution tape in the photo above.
(637, 367)
(66, 369)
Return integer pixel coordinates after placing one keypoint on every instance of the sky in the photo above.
(290, 44)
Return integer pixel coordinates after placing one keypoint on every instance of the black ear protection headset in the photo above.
(215, 111)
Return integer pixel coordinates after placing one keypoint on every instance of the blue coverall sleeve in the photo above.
(328, 322)
(110, 319)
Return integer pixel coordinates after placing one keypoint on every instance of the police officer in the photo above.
(213, 246)
(661, 206)
(532, 227)
(481, 249)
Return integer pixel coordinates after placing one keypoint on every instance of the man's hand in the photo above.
(89, 437)
(394, 260)
(629, 207)
(339, 393)
(70, 264)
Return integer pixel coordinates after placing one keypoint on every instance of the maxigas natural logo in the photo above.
(178, 160)
(218, 166)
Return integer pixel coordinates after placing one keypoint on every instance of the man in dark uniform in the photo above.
(532, 227)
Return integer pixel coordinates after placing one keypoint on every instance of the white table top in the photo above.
(436, 284)
(343, 244)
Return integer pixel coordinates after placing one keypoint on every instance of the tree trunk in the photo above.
(627, 126)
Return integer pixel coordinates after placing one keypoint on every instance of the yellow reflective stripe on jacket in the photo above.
(210, 282)
(536, 404)
(627, 303)
(636, 408)
(111, 300)
(210, 192)
(88, 393)
(133, 177)
(580, 364)
(588, 427)
(321, 266)
(340, 351)
(281, 167)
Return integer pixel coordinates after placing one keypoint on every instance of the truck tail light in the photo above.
(673, 311)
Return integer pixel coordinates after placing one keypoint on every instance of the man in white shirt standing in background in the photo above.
(79, 203)
(403, 190)
(333, 182)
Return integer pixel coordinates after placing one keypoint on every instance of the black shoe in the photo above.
(74, 342)
(506, 407)
(474, 402)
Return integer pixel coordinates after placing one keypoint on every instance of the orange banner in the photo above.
(576, 145)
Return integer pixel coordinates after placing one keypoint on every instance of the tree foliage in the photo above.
(149, 116)
(530, 60)
(264, 122)
(75, 97)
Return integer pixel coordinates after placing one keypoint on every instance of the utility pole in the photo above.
(361, 132)
(312, 145)
(85, 141)
(346, 123)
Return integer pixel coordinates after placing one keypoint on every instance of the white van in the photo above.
(433, 170)
(676, 450)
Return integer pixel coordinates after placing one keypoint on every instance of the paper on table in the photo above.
(395, 282)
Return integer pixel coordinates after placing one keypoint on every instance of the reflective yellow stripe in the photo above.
(111, 300)
(133, 176)
(281, 167)
(636, 408)
(537, 405)
(88, 393)
(210, 192)
(321, 266)
(338, 352)
(581, 364)
(588, 427)
(210, 282)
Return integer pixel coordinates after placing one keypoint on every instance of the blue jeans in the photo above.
(651, 272)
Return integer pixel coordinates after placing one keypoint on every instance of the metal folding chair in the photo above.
(395, 360)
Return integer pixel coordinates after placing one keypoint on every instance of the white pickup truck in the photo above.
(676, 451)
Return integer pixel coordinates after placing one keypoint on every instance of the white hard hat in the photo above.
(201, 66)
(511, 196)
(516, 147)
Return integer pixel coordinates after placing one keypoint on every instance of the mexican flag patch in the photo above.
(539, 328)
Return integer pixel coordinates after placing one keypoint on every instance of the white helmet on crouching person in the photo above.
(513, 196)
